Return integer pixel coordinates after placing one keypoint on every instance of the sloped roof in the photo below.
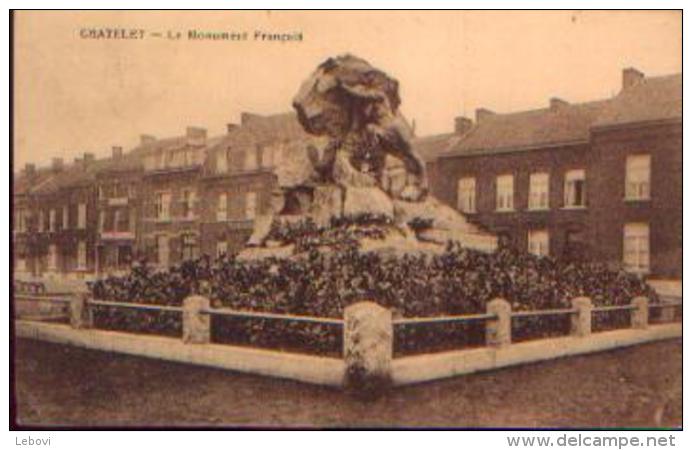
(562, 124)
(651, 99)
(430, 147)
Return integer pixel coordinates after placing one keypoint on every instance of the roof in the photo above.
(562, 124)
(430, 147)
(259, 130)
(651, 99)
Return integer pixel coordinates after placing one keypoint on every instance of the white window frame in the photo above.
(539, 191)
(466, 195)
(66, 218)
(251, 205)
(162, 203)
(250, 160)
(636, 247)
(81, 255)
(222, 161)
(163, 248)
(189, 199)
(539, 242)
(81, 216)
(638, 177)
(221, 248)
(52, 257)
(222, 207)
(571, 178)
(504, 193)
(51, 221)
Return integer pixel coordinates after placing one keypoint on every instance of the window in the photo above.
(189, 246)
(222, 161)
(102, 220)
(188, 203)
(636, 247)
(41, 221)
(66, 218)
(81, 216)
(250, 205)
(539, 188)
(21, 222)
(250, 160)
(575, 189)
(505, 193)
(221, 248)
(539, 242)
(51, 221)
(222, 208)
(122, 220)
(267, 156)
(52, 257)
(466, 195)
(81, 255)
(162, 250)
(163, 205)
(638, 177)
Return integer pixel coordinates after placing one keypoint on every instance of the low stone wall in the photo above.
(368, 364)
(306, 368)
(417, 369)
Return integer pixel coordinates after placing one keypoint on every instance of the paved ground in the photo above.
(635, 387)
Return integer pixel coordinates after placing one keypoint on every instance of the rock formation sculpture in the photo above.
(351, 110)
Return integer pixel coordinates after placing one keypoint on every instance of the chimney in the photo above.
(88, 158)
(196, 135)
(117, 152)
(630, 77)
(231, 127)
(557, 103)
(146, 139)
(57, 164)
(482, 114)
(246, 117)
(462, 124)
(30, 170)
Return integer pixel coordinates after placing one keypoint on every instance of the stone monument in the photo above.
(351, 109)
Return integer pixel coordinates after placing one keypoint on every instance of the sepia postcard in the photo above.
(347, 220)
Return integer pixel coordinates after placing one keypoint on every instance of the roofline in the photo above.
(651, 122)
(482, 151)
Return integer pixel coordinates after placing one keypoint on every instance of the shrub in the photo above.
(457, 281)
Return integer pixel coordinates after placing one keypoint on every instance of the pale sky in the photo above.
(75, 95)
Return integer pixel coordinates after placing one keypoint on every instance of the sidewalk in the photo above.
(58, 384)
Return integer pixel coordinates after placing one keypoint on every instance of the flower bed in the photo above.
(457, 281)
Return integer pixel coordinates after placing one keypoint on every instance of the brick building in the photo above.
(118, 202)
(600, 180)
(238, 178)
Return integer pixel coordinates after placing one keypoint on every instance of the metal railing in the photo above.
(271, 316)
(134, 305)
(442, 319)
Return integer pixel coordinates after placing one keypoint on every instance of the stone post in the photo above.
(196, 325)
(80, 312)
(667, 312)
(368, 342)
(640, 315)
(581, 320)
(498, 331)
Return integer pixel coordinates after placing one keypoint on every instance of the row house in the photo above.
(169, 219)
(596, 181)
(118, 204)
(239, 178)
(59, 227)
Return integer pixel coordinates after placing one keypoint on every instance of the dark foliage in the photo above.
(457, 281)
